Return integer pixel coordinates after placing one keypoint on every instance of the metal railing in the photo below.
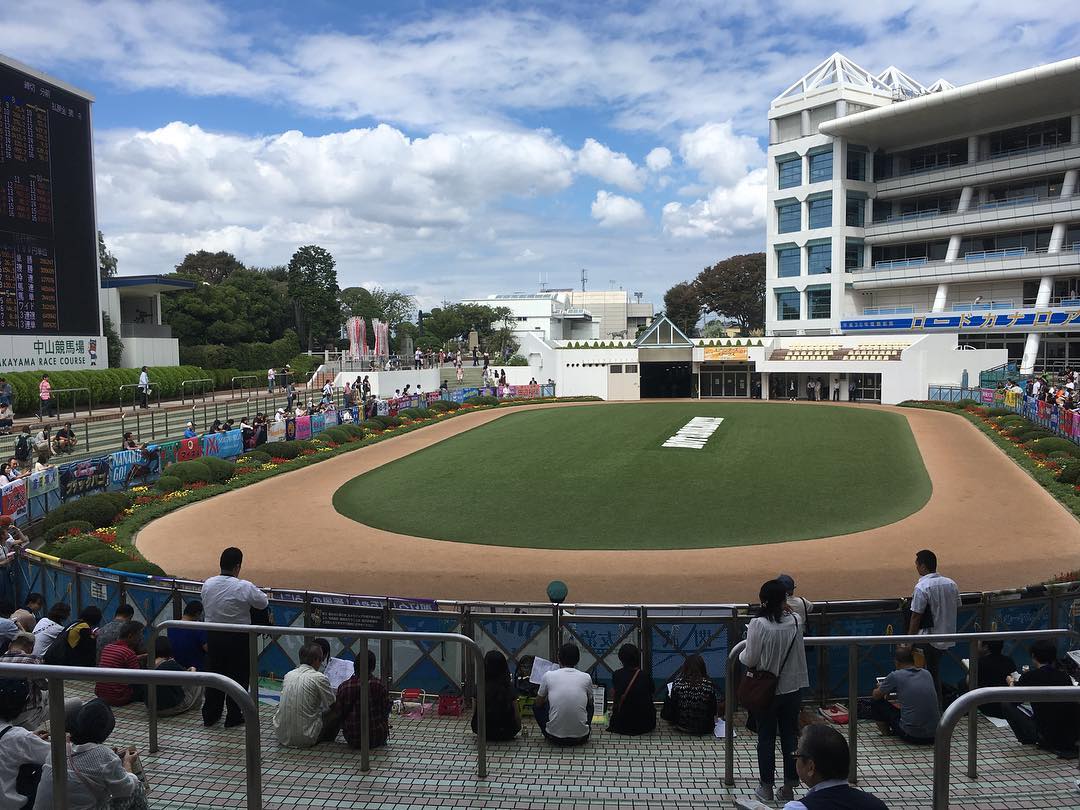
(969, 702)
(253, 631)
(57, 675)
(853, 643)
(74, 402)
(245, 388)
(193, 383)
(135, 395)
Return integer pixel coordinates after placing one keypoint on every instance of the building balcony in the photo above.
(145, 330)
(1016, 213)
(993, 169)
(990, 265)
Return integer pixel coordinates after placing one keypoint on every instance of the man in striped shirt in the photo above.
(306, 714)
(122, 654)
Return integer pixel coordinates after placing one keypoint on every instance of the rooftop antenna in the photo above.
(639, 296)
(613, 283)
(584, 278)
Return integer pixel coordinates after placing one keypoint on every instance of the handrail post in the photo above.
(481, 713)
(151, 692)
(58, 741)
(253, 667)
(365, 710)
(853, 713)
(973, 715)
(729, 715)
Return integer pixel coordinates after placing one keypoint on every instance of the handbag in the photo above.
(758, 686)
(449, 705)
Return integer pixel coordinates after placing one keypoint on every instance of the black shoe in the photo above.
(208, 722)
(232, 722)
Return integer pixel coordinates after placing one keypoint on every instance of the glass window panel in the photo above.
(856, 208)
(818, 302)
(787, 260)
(821, 166)
(788, 217)
(789, 172)
(819, 258)
(787, 305)
(820, 211)
(853, 256)
(856, 163)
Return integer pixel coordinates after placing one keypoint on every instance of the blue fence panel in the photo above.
(435, 667)
(599, 640)
(1029, 614)
(672, 642)
(279, 654)
(874, 661)
(58, 585)
(100, 591)
(514, 637)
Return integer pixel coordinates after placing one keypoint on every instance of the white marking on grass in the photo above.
(695, 433)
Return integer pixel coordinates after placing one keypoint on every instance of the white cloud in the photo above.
(726, 212)
(597, 160)
(658, 159)
(528, 255)
(718, 154)
(615, 211)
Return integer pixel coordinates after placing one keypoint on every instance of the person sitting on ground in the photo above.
(306, 714)
(502, 719)
(173, 699)
(823, 760)
(1053, 726)
(632, 710)
(76, 646)
(18, 746)
(124, 653)
(994, 670)
(691, 704)
(7, 419)
(66, 439)
(36, 711)
(564, 703)
(917, 718)
(97, 776)
(349, 708)
(43, 442)
(47, 629)
(110, 632)
(25, 619)
(189, 645)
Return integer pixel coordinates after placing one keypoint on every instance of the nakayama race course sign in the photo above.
(695, 433)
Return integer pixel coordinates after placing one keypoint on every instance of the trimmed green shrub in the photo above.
(139, 567)
(190, 472)
(1061, 455)
(1055, 443)
(336, 435)
(353, 430)
(372, 425)
(1070, 473)
(452, 406)
(69, 549)
(168, 483)
(1026, 435)
(1000, 410)
(220, 469)
(285, 449)
(103, 557)
(97, 510)
(440, 405)
(483, 400)
(391, 421)
(254, 457)
(58, 531)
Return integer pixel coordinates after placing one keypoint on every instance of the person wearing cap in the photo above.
(18, 746)
(795, 604)
(189, 431)
(97, 775)
(280, 415)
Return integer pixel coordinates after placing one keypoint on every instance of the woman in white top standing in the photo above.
(774, 643)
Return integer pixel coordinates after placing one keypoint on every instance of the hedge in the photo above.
(220, 469)
(104, 384)
(440, 405)
(483, 400)
(97, 510)
(1070, 474)
(102, 556)
(1051, 444)
(372, 425)
(286, 449)
(139, 567)
(58, 531)
(254, 457)
(336, 435)
(189, 472)
(69, 549)
(244, 355)
(168, 483)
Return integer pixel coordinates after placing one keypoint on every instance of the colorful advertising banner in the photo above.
(79, 478)
(303, 428)
(126, 463)
(275, 432)
(318, 423)
(189, 449)
(14, 502)
(727, 353)
(43, 491)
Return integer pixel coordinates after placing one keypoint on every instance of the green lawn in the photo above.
(596, 477)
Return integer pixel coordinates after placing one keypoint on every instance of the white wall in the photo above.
(384, 383)
(518, 375)
(140, 352)
(582, 381)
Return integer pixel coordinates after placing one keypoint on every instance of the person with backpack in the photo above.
(23, 446)
(47, 629)
(22, 753)
(36, 712)
(76, 645)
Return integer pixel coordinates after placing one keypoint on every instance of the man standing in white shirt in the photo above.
(227, 599)
(144, 388)
(933, 610)
(564, 704)
(305, 714)
(270, 374)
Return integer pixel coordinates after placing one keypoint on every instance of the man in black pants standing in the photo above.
(227, 599)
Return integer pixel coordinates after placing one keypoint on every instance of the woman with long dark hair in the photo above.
(503, 721)
(632, 710)
(774, 644)
(691, 703)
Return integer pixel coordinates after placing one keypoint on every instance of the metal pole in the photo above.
(151, 693)
(729, 715)
(365, 709)
(253, 667)
(58, 741)
(481, 722)
(973, 715)
(853, 713)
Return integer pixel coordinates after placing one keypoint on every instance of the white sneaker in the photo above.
(764, 792)
(786, 794)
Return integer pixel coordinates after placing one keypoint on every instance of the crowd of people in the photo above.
(1060, 389)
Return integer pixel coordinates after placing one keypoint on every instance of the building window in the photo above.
(631, 369)
(853, 255)
(922, 159)
(820, 212)
(788, 218)
(818, 304)
(856, 161)
(616, 369)
(789, 172)
(1020, 241)
(856, 211)
(787, 262)
(821, 166)
(1043, 135)
(787, 305)
(819, 258)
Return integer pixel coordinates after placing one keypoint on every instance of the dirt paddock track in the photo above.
(990, 524)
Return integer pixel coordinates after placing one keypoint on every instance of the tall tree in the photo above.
(106, 261)
(313, 289)
(212, 268)
(396, 306)
(682, 306)
(734, 288)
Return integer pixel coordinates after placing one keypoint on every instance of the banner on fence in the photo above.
(189, 449)
(14, 502)
(275, 432)
(223, 445)
(124, 465)
(43, 492)
(79, 478)
(303, 428)
(318, 423)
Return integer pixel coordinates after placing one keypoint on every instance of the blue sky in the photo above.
(461, 149)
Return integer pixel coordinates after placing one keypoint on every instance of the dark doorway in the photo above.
(665, 380)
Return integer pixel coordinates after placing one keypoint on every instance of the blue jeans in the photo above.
(782, 714)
